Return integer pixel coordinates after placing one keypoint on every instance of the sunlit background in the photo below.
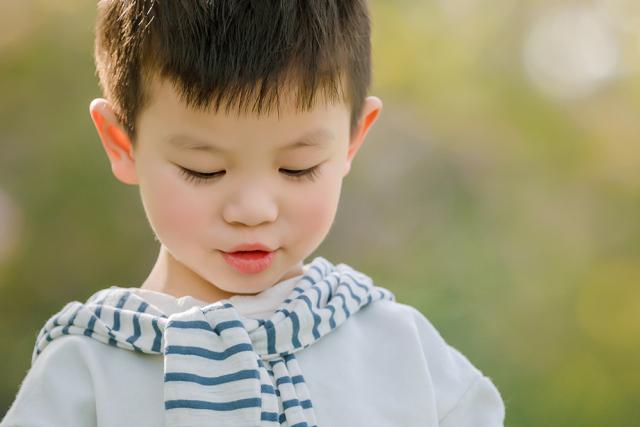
(499, 192)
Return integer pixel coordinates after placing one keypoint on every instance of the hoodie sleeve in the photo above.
(465, 397)
(57, 390)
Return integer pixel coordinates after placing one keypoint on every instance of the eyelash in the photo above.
(202, 177)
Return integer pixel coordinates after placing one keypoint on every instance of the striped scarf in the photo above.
(221, 368)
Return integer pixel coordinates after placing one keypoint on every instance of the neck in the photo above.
(170, 276)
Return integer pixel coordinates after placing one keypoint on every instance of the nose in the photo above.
(252, 205)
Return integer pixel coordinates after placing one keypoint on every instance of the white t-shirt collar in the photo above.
(258, 306)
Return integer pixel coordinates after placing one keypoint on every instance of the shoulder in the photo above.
(58, 387)
(70, 347)
(398, 316)
(461, 390)
(82, 355)
(446, 363)
(70, 356)
(409, 322)
(79, 358)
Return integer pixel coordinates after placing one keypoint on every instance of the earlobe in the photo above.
(114, 140)
(370, 112)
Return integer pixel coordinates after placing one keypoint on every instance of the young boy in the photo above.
(238, 121)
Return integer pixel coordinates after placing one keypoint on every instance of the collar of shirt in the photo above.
(256, 306)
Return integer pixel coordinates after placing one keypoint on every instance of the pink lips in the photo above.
(247, 259)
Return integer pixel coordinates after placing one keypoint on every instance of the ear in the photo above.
(370, 111)
(114, 140)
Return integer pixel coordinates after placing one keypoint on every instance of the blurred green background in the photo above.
(499, 192)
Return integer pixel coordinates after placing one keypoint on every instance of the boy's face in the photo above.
(254, 195)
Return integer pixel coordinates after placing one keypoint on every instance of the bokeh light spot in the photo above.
(570, 52)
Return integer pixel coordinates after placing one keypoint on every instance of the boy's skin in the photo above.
(254, 201)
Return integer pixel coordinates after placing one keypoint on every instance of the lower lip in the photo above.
(249, 262)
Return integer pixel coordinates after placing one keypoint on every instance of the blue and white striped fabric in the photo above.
(221, 368)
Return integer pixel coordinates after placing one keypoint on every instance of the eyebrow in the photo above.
(317, 138)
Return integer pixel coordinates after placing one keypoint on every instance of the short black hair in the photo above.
(233, 52)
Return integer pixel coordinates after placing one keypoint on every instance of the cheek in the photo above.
(316, 210)
(175, 210)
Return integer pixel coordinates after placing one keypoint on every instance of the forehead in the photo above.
(287, 100)
(169, 120)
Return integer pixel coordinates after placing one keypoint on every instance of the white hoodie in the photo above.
(386, 366)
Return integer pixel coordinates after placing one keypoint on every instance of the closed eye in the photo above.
(309, 173)
(201, 177)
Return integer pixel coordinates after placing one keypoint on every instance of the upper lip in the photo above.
(251, 247)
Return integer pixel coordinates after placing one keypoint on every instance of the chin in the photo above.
(248, 293)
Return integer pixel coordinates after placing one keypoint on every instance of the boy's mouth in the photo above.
(249, 254)
(248, 247)
(249, 262)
